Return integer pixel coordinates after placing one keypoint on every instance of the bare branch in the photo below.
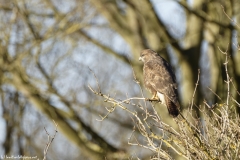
(50, 139)
(195, 89)
(229, 17)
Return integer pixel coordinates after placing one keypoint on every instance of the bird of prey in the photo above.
(160, 80)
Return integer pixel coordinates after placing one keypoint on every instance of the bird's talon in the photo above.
(152, 99)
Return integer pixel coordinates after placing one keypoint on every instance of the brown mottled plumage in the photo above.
(160, 80)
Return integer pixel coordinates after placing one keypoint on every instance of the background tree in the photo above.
(50, 51)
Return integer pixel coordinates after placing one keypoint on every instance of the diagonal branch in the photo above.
(111, 12)
(73, 116)
(204, 16)
(122, 57)
(88, 148)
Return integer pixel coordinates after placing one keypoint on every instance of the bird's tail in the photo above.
(173, 109)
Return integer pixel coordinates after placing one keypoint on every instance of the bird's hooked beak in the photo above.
(140, 59)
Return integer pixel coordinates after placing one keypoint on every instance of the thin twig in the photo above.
(50, 140)
(235, 87)
(195, 88)
(99, 90)
(229, 17)
(137, 82)
(215, 93)
(226, 70)
(224, 113)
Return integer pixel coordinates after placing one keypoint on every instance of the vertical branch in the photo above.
(225, 118)
(226, 70)
(50, 140)
(195, 89)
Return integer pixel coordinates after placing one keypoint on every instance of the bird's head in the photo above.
(147, 54)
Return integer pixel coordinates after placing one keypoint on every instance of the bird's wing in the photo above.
(162, 79)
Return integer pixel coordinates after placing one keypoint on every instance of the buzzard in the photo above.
(160, 80)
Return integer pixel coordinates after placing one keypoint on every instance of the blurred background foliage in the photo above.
(49, 47)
